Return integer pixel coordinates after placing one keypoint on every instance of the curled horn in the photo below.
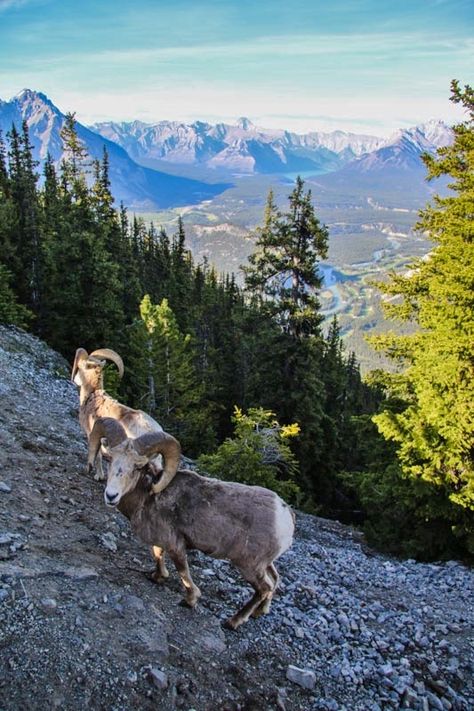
(104, 427)
(81, 354)
(109, 354)
(160, 443)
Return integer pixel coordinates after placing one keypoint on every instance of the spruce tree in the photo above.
(283, 269)
(283, 280)
(26, 266)
(434, 432)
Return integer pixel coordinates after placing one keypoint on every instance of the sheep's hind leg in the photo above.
(264, 607)
(263, 585)
(160, 573)
(192, 592)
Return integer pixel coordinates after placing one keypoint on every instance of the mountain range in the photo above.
(242, 148)
(141, 154)
(136, 186)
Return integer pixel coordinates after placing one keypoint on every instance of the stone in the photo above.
(159, 678)
(109, 541)
(303, 677)
(49, 605)
(212, 643)
(4, 487)
(81, 573)
(132, 602)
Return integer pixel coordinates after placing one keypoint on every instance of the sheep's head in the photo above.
(88, 368)
(128, 456)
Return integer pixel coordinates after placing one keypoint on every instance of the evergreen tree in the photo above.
(283, 279)
(75, 164)
(434, 432)
(11, 312)
(26, 264)
(284, 267)
(8, 218)
(172, 391)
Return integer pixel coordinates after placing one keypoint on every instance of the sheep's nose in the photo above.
(110, 498)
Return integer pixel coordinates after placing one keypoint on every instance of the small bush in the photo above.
(258, 454)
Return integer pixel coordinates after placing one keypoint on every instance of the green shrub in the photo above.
(258, 454)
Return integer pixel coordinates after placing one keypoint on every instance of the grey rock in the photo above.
(303, 677)
(159, 678)
(434, 701)
(4, 487)
(109, 541)
(213, 643)
(132, 602)
(81, 573)
(49, 605)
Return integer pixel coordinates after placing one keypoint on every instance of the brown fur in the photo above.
(94, 402)
(225, 520)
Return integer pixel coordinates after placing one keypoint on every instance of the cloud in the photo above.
(9, 4)
(361, 114)
(314, 45)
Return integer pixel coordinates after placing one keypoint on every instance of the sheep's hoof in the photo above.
(230, 624)
(187, 603)
(155, 577)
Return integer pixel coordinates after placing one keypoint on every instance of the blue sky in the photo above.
(361, 65)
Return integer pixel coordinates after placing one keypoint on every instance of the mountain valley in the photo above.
(366, 189)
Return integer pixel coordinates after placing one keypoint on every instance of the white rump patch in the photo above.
(284, 526)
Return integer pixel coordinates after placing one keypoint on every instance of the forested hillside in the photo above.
(196, 346)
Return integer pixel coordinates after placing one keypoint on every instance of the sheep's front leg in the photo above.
(192, 592)
(96, 466)
(99, 471)
(160, 573)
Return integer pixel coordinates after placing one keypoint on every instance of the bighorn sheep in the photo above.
(94, 402)
(248, 525)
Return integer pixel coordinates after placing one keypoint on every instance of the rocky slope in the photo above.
(81, 625)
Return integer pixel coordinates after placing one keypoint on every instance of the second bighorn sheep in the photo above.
(94, 402)
(248, 525)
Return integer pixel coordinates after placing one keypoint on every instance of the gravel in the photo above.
(81, 624)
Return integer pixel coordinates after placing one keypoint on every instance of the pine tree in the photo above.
(284, 268)
(434, 432)
(11, 312)
(283, 280)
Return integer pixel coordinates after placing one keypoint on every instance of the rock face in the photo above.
(82, 626)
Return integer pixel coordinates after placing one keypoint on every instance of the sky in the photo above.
(358, 65)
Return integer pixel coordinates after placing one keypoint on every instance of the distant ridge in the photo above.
(137, 186)
(396, 165)
(140, 153)
(242, 147)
